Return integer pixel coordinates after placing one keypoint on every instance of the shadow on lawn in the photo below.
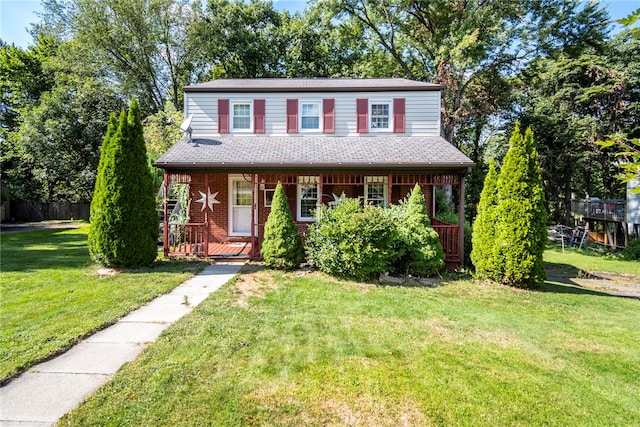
(33, 250)
(561, 280)
(54, 248)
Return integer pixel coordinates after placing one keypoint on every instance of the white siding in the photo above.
(422, 111)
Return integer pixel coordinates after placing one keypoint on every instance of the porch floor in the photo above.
(230, 250)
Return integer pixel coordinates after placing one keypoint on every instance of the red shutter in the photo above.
(223, 115)
(258, 115)
(362, 114)
(328, 112)
(292, 116)
(398, 115)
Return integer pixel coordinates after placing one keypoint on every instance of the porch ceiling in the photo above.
(343, 153)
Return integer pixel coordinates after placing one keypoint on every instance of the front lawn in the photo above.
(304, 349)
(52, 294)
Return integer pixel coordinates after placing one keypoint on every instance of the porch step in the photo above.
(230, 258)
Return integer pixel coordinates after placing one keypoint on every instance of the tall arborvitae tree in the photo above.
(124, 220)
(520, 215)
(423, 254)
(483, 237)
(282, 245)
(99, 241)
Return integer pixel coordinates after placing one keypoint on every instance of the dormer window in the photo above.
(380, 116)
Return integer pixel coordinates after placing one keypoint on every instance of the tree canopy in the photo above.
(555, 66)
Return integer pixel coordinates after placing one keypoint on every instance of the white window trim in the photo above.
(320, 115)
(380, 101)
(231, 116)
(271, 191)
(377, 180)
(305, 180)
(232, 179)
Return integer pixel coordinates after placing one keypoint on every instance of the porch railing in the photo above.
(190, 239)
(448, 239)
(187, 239)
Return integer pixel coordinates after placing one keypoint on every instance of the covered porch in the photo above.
(218, 202)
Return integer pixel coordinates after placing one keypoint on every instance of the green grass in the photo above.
(590, 262)
(310, 350)
(52, 294)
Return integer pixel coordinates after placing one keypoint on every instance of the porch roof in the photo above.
(315, 152)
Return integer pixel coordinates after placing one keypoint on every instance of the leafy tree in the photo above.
(520, 228)
(629, 147)
(281, 247)
(124, 221)
(51, 148)
(458, 43)
(144, 45)
(574, 102)
(24, 76)
(483, 239)
(159, 136)
(421, 250)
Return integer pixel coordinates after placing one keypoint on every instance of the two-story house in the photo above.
(323, 139)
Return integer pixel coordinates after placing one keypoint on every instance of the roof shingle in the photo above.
(357, 152)
(311, 85)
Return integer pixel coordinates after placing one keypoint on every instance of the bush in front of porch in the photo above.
(282, 245)
(362, 241)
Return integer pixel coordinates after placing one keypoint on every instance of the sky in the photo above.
(17, 15)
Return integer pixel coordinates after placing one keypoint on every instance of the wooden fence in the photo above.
(40, 211)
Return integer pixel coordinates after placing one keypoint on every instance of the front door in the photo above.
(239, 206)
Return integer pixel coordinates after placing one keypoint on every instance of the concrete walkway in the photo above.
(47, 391)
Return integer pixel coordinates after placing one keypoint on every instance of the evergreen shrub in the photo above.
(483, 235)
(124, 220)
(520, 229)
(419, 250)
(282, 246)
(632, 251)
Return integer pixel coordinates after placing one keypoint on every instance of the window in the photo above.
(380, 117)
(268, 197)
(310, 116)
(376, 190)
(307, 197)
(241, 119)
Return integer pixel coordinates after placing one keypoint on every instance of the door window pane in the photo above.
(242, 193)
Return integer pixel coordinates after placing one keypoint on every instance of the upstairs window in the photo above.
(241, 116)
(380, 116)
(310, 116)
